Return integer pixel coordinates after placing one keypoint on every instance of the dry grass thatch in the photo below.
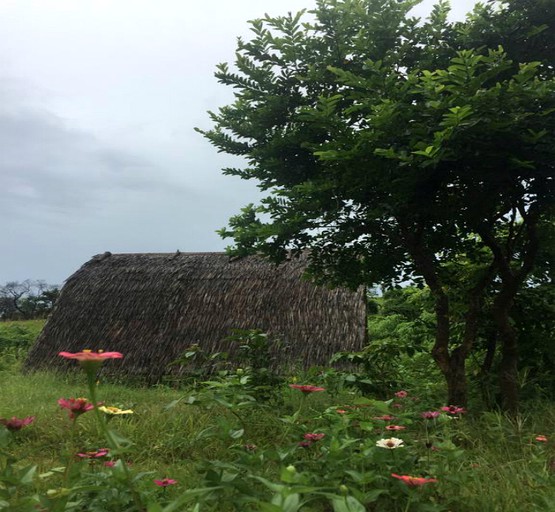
(151, 307)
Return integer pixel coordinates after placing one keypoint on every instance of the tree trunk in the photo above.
(457, 393)
(508, 367)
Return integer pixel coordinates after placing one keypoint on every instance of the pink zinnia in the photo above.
(75, 406)
(401, 394)
(306, 388)
(89, 355)
(453, 409)
(413, 481)
(385, 417)
(395, 427)
(14, 423)
(102, 452)
(430, 415)
(541, 439)
(314, 437)
(165, 482)
(89, 360)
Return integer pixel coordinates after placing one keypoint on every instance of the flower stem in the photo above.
(112, 442)
(409, 501)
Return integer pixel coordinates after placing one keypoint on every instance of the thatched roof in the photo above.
(151, 307)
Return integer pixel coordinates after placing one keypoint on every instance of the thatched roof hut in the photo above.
(151, 307)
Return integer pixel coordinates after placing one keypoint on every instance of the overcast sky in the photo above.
(98, 101)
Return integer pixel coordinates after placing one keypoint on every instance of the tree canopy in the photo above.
(396, 148)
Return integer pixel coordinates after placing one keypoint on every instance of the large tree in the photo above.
(393, 148)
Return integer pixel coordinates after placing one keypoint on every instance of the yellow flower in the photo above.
(113, 411)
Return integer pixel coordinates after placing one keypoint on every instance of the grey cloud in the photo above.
(63, 170)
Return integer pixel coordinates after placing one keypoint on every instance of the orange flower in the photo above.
(413, 481)
(306, 388)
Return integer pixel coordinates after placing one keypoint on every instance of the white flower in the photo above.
(390, 444)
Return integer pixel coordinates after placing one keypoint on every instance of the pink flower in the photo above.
(165, 482)
(305, 444)
(102, 452)
(306, 388)
(541, 439)
(314, 437)
(14, 423)
(413, 481)
(89, 355)
(453, 409)
(110, 463)
(341, 411)
(385, 417)
(401, 394)
(75, 406)
(395, 427)
(430, 415)
(90, 360)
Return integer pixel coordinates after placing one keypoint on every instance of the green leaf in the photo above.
(347, 504)
(236, 434)
(27, 475)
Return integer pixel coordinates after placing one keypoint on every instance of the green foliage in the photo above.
(15, 340)
(199, 443)
(395, 150)
(401, 337)
(322, 113)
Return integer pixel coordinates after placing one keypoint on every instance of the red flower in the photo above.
(395, 427)
(75, 406)
(306, 388)
(314, 437)
(165, 482)
(102, 452)
(541, 439)
(401, 394)
(430, 415)
(453, 409)
(305, 444)
(413, 481)
(14, 423)
(110, 463)
(385, 417)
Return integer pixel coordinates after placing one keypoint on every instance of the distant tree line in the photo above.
(27, 299)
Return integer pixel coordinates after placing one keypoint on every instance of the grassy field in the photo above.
(483, 461)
